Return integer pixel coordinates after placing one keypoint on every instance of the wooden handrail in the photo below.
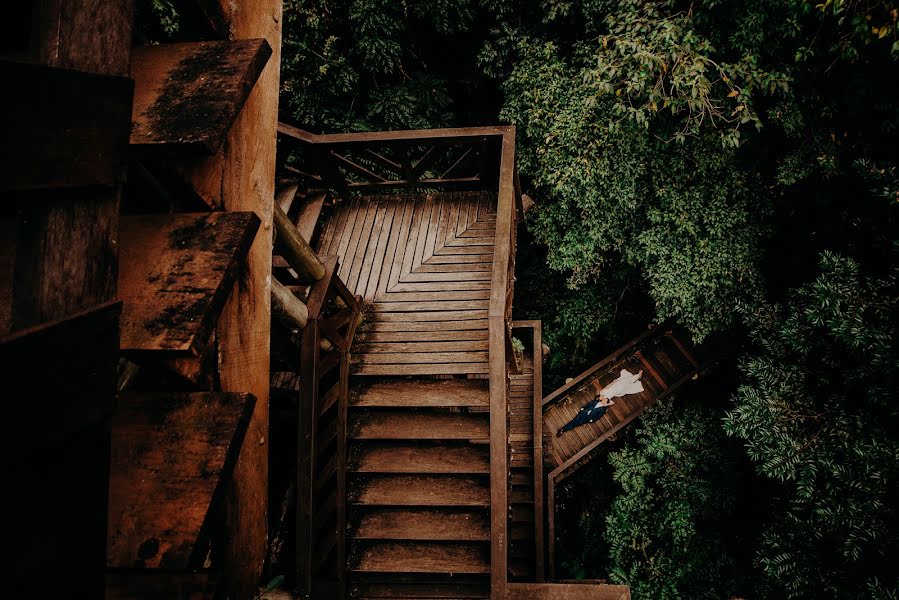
(400, 135)
(498, 315)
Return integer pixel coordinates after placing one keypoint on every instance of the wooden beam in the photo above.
(187, 95)
(288, 308)
(295, 250)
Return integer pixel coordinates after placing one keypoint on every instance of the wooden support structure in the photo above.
(296, 250)
(64, 160)
(292, 313)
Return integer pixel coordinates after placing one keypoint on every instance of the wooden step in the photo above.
(432, 590)
(423, 525)
(399, 425)
(175, 274)
(187, 95)
(421, 557)
(421, 490)
(422, 393)
(405, 458)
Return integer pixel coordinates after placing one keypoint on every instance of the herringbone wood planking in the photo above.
(423, 265)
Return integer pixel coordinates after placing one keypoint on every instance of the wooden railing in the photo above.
(321, 433)
(456, 158)
(536, 328)
(500, 320)
(438, 158)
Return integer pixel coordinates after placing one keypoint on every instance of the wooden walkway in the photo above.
(423, 266)
(667, 363)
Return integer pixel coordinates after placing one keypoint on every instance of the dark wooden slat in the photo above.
(421, 393)
(175, 273)
(422, 557)
(422, 336)
(160, 501)
(420, 347)
(187, 95)
(405, 458)
(424, 525)
(399, 425)
(447, 325)
(422, 369)
(307, 218)
(389, 358)
(422, 490)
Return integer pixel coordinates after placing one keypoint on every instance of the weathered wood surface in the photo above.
(422, 557)
(398, 425)
(296, 250)
(94, 36)
(187, 95)
(245, 170)
(420, 393)
(65, 269)
(423, 524)
(664, 363)
(567, 591)
(413, 259)
(176, 272)
(287, 308)
(437, 458)
(172, 457)
(499, 315)
(421, 490)
(62, 129)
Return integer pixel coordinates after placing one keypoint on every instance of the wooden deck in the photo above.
(667, 363)
(423, 266)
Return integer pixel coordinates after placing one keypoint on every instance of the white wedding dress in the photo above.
(627, 383)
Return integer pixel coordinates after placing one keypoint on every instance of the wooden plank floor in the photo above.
(423, 266)
(666, 363)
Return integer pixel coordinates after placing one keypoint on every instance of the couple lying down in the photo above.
(627, 383)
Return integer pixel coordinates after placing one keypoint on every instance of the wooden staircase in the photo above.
(419, 488)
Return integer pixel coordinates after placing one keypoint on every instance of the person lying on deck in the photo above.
(627, 383)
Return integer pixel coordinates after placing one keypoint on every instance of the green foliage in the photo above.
(663, 528)
(817, 411)
(354, 65)
(684, 214)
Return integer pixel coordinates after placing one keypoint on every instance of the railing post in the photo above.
(539, 563)
(499, 314)
(307, 426)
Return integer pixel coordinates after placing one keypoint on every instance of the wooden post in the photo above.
(499, 377)
(244, 174)
(295, 250)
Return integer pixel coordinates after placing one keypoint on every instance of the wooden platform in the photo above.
(423, 265)
(666, 362)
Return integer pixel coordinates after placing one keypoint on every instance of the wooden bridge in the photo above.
(667, 362)
(431, 484)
